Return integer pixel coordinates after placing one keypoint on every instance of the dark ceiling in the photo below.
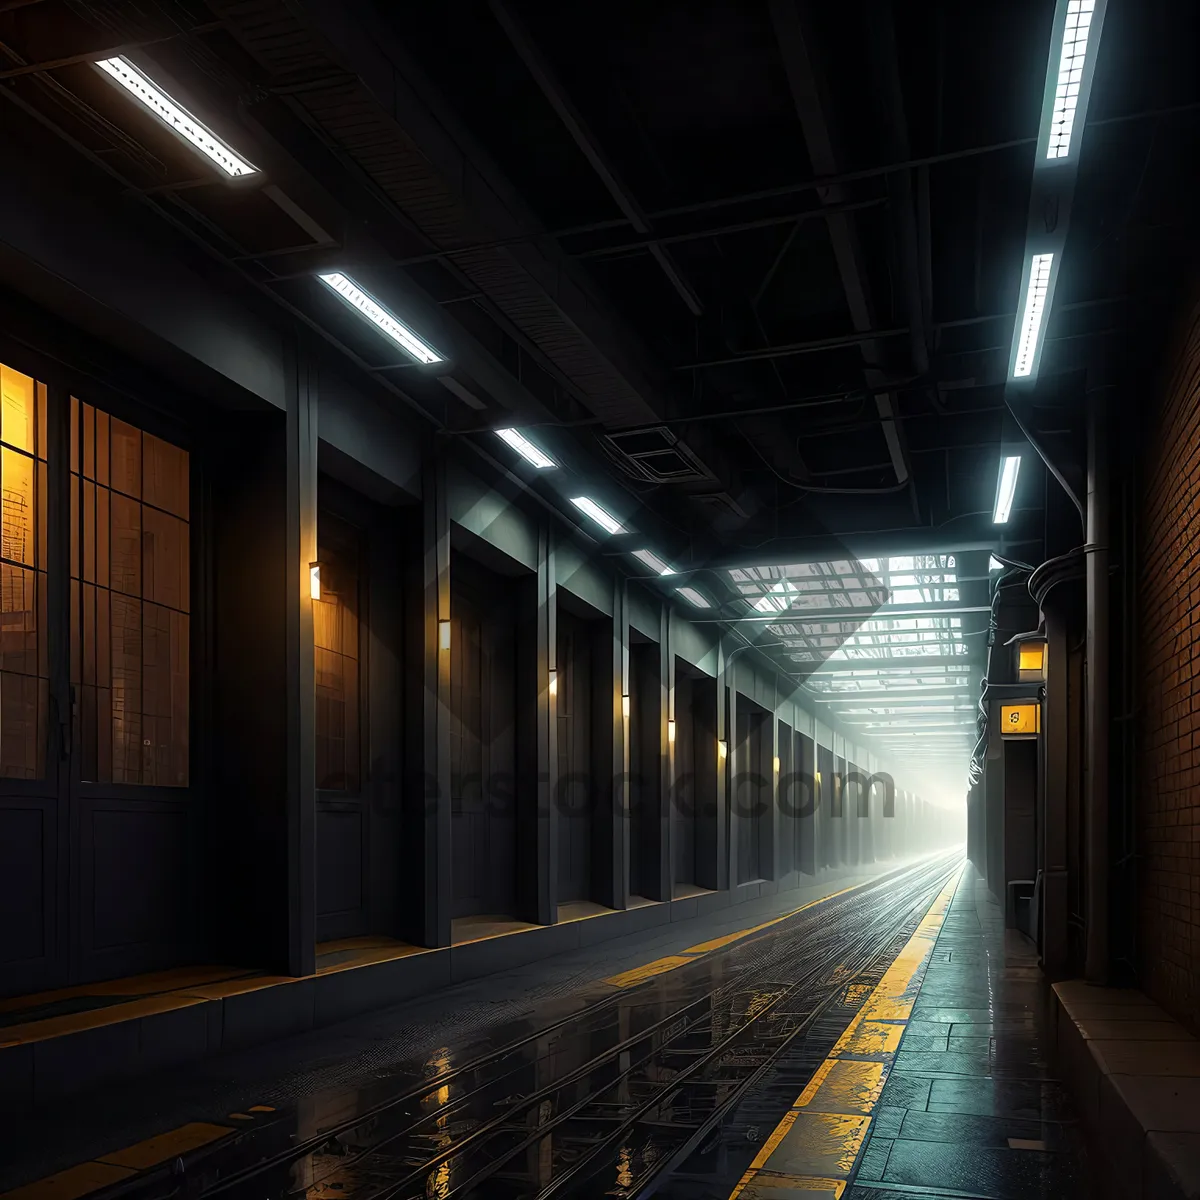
(748, 269)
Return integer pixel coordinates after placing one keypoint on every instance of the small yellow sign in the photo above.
(1020, 719)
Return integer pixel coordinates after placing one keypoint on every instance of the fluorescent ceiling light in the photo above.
(174, 116)
(591, 509)
(690, 594)
(379, 316)
(1009, 467)
(653, 562)
(1068, 81)
(1037, 295)
(525, 448)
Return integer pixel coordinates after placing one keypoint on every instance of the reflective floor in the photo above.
(671, 1078)
(972, 1105)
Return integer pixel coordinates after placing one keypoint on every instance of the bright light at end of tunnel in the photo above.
(174, 116)
(590, 508)
(1007, 489)
(387, 324)
(1037, 300)
(526, 449)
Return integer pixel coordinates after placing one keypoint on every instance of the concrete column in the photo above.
(1055, 770)
(428, 702)
(666, 711)
(611, 831)
(301, 678)
(774, 826)
(537, 741)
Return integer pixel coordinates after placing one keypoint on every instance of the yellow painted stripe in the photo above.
(176, 1142)
(72, 1183)
(670, 962)
(648, 971)
(826, 1128)
(117, 1165)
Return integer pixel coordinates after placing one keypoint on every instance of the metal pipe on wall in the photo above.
(1096, 807)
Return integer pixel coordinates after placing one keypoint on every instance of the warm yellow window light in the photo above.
(314, 580)
(722, 750)
(444, 635)
(671, 732)
(1031, 656)
(625, 707)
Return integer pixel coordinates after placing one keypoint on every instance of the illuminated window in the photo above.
(336, 641)
(24, 670)
(130, 601)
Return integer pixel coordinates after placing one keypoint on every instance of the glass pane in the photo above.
(166, 476)
(130, 647)
(18, 531)
(24, 694)
(18, 412)
(126, 450)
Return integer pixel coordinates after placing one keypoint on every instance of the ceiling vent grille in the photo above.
(655, 455)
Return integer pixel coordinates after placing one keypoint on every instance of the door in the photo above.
(32, 774)
(575, 790)
(342, 813)
(134, 817)
(99, 825)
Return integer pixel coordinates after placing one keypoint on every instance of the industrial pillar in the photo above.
(427, 704)
(537, 745)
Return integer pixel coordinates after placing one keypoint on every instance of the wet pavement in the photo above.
(972, 1105)
(665, 1085)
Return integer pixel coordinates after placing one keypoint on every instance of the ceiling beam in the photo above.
(893, 665)
(605, 170)
(802, 79)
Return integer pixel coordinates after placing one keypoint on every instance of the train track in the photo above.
(607, 1101)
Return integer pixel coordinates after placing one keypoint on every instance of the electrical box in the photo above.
(1021, 720)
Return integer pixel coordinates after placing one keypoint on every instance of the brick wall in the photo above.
(1169, 721)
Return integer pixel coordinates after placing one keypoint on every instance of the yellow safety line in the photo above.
(640, 974)
(117, 1165)
(826, 1128)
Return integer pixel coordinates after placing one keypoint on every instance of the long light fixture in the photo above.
(174, 116)
(590, 508)
(526, 449)
(1029, 332)
(1007, 488)
(694, 597)
(379, 316)
(1080, 34)
(655, 563)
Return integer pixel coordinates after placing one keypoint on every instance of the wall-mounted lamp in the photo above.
(553, 682)
(314, 580)
(671, 732)
(625, 706)
(444, 635)
(722, 750)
